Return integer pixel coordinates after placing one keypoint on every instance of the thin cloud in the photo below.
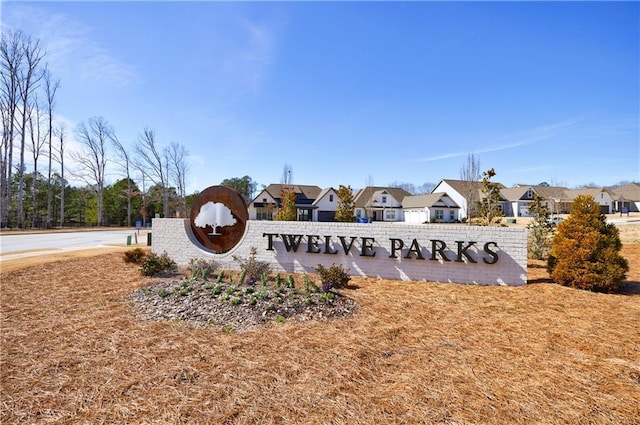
(525, 138)
(70, 49)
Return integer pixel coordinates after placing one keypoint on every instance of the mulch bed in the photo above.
(76, 349)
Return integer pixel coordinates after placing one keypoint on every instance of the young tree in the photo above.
(92, 156)
(288, 210)
(470, 175)
(585, 250)
(488, 207)
(346, 207)
(541, 228)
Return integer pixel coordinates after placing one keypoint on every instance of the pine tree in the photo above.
(488, 209)
(287, 211)
(540, 229)
(585, 250)
(344, 212)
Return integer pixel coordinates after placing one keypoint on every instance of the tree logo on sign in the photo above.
(218, 218)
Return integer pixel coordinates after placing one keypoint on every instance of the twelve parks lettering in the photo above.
(367, 248)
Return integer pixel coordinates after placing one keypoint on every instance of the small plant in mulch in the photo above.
(134, 256)
(199, 268)
(155, 264)
(333, 277)
(252, 266)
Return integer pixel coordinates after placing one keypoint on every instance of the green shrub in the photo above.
(333, 277)
(155, 264)
(253, 267)
(134, 256)
(585, 250)
(199, 268)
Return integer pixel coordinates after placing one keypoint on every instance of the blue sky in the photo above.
(350, 92)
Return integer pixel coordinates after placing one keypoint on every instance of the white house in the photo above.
(380, 203)
(430, 208)
(627, 198)
(603, 197)
(266, 205)
(460, 190)
(325, 206)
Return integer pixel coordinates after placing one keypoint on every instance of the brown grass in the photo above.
(73, 351)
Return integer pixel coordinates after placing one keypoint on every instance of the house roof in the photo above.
(363, 196)
(461, 186)
(571, 194)
(429, 200)
(515, 193)
(302, 191)
(323, 193)
(630, 192)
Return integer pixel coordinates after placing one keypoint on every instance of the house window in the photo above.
(264, 200)
(390, 215)
(264, 214)
(330, 198)
(530, 194)
(384, 199)
(439, 214)
(452, 215)
(358, 213)
(304, 215)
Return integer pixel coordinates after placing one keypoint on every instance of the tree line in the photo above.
(153, 177)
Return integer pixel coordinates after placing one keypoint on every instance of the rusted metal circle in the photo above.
(218, 218)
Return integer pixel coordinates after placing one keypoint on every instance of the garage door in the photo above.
(326, 216)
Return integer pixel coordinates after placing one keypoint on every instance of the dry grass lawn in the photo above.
(73, 351)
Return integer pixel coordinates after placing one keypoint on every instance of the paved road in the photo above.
(71, 240)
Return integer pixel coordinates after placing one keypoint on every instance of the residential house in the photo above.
(266, 205)
(603, 197)
(460, 191)
(379, 203)
(520, 197)
(430, 208)
(325, 205)
(627, 198)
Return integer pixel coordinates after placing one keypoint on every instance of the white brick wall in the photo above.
(174, 236)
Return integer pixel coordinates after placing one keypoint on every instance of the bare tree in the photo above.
(409, 187)
(60, 132)
(37, 143)
(29, 77)
(11, 55)
(50, 90)
(153, 163)
(179, 167)
(287, 174)
(470, 175)
(125, 163)
(92, 156)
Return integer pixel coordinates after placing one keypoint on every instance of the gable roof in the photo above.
(323, 193)
(461, 186)
(629, 192)
(429, 200)
(363, 196)
(304, 193)
(571, 194)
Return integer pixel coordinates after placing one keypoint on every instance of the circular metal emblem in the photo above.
(218, 218)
